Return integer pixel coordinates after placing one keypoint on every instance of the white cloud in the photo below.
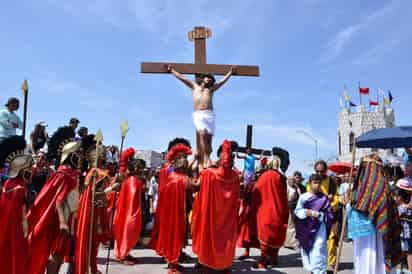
(337, 44)
(295, 134)
(161, 16)
(379, 26)
(286, 134)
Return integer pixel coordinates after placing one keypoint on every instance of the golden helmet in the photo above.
(13, 157)
(19, 163)
(68, 149)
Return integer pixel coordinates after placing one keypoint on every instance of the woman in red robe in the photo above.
(215, 217)
(270, 206)
(13, 228)
(128, 214)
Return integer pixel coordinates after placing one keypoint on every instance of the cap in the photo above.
(74, 120)
(42, 123)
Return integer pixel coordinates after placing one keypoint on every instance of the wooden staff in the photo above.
(124, 128)
(25, 89)
(98, 138)
(345, 216)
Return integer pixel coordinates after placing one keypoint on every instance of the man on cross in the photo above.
(203, 116)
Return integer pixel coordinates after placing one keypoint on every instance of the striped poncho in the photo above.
(372, 197)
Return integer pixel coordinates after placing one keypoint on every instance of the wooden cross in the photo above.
(256, 151)
(199, 36)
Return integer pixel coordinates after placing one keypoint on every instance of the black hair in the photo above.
(9, 145)
(321, 162)
(200, 78)
(297, 173)
(62, 134)
(12, 100)
(284, 157)
(403, 194)
(178, 140)
(315, 177)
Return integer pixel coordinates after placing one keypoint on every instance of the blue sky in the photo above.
(82, 59)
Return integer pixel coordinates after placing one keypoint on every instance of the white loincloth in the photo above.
(204, 120)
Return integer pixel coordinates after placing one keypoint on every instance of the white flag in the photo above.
(341, 102)
(381, 92)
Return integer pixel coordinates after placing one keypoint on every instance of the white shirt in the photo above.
(6, 120)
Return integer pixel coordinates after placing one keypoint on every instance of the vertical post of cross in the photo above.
(249, 136)
(199, 36)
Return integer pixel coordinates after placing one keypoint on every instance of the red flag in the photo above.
(364, 90)
(373, 103)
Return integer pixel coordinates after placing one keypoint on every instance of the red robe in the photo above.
(100, 226)
(44, 235)
(111, 196)
(270, 204)
(128, 217)
(156, 226)
(13, 245)
(172, 227)
(215, 220)
(247, 222)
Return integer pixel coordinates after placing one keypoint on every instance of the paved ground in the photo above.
(289, 262)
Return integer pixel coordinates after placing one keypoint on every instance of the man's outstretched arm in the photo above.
(224, 79)
(180, 76)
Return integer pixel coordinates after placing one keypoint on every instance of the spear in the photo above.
(124, 128)
(25, 88)
(98, 138)
(345, 215)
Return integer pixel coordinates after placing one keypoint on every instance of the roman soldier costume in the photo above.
(50, 219)
(13, 229)
(93, 222)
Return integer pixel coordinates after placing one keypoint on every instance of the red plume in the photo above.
(226, 156)
(176, 150)
(264, 161)
(124, 158)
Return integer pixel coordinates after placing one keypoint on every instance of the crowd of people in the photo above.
(64, 195)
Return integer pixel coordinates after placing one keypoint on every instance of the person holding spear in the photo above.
(93, 224)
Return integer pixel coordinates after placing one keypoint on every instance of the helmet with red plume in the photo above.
(177, 150)
(126, 156)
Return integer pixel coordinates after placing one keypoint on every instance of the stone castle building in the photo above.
(353, 123)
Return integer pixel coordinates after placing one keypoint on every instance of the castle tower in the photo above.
(354, 123)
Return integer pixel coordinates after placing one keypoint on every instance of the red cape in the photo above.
(215, 220)
(247, 223)
(270, 205)
(172, 227)
(128, 217)
(156, 226)
(110, 203)
(43, 220)
(13, 245)
(83, 224)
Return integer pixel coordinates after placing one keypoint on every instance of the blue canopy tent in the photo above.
(386, 138)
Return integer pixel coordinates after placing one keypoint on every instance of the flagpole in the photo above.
(370, 107)
(346, 94)
(360, 94)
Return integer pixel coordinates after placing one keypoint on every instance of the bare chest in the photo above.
(200, 94)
